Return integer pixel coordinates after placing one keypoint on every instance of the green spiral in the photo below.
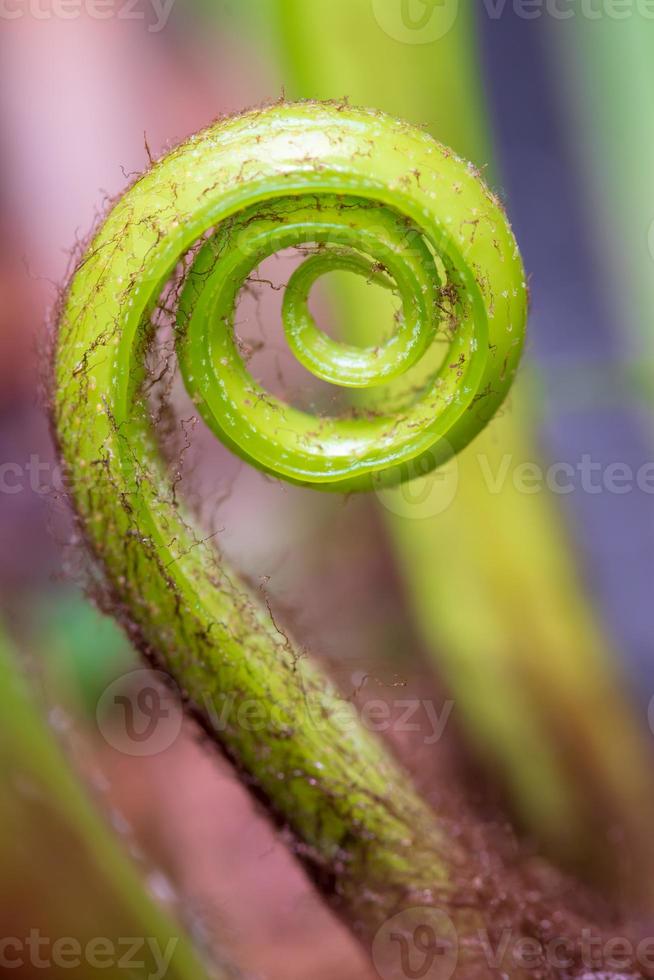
(380, 200)
(376, 198)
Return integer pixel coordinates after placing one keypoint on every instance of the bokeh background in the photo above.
(513, 592)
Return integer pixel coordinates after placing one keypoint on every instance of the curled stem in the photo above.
(380, 199)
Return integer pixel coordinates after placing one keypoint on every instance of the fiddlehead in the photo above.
(382, 200)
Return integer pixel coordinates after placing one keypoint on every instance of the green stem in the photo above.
(357, 182)
(66, 852)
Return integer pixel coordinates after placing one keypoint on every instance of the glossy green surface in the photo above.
(376, 195)
(263, 178)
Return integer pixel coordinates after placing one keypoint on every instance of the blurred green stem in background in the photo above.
(66, 874)
(489, 573)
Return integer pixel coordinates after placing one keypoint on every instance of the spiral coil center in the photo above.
(353, 235)
(376, 198)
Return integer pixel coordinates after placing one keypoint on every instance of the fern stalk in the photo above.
(383, 200)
